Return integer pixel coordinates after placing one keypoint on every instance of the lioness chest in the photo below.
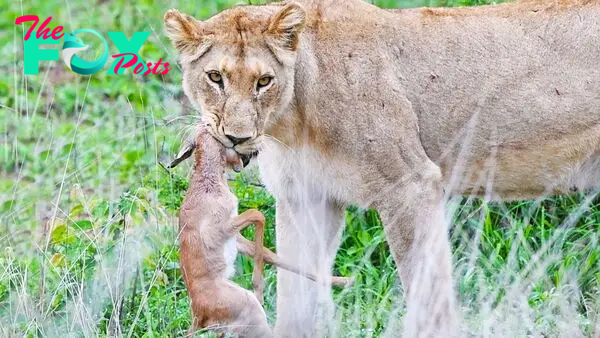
(305, 175)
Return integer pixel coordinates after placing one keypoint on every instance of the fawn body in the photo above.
(209, 225)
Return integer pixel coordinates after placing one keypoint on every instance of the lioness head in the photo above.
(238, 67)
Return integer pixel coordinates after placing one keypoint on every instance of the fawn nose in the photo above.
(237, 140)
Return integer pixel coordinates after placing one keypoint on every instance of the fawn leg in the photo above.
(240, 222)
(247, 248)
(258, 278)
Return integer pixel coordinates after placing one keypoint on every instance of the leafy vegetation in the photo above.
(88, 216)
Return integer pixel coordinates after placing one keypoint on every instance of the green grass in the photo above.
(88, 217)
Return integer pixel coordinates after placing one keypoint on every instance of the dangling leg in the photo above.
(240, 222)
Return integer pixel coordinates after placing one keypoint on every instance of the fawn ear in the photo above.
(285, 26)
(186, 33)
(187, 149)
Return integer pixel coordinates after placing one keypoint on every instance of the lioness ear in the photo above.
(285, 26)
(186, 33)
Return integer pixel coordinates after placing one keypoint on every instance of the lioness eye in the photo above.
(263, 82)
(215, 77)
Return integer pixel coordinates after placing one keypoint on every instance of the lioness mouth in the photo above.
(189, 148)
(247, 157)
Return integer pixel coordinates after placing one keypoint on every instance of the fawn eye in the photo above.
(263, 82)
(215, 77)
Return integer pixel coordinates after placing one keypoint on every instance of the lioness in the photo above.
(397, 110)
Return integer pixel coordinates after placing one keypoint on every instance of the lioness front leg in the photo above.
(308, 235)
(417, 235)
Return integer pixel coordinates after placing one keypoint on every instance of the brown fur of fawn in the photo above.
(209, 225)
(209, 239)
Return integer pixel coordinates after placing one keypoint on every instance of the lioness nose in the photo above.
(237, 140)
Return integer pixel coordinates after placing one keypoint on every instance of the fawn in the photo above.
(209, 240)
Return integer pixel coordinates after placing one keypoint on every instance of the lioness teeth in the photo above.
(247, 157)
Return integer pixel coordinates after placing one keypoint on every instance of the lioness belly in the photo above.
(517, 171)
(514, 111)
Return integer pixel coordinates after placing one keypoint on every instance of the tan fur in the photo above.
(207, 222)
(391, 109)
